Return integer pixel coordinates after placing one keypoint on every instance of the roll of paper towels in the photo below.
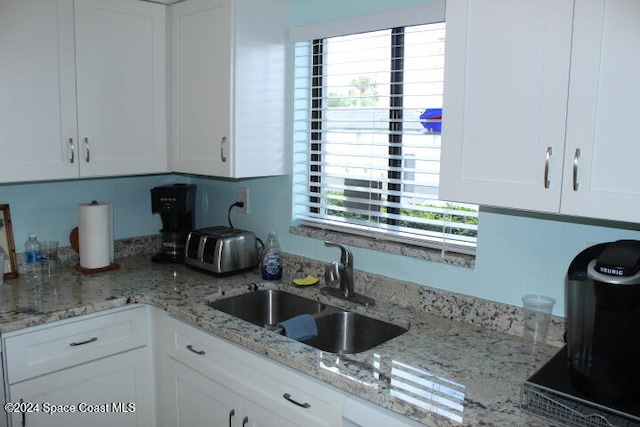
(95, 234)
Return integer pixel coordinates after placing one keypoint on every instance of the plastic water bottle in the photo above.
(271, 263)
(32, 257)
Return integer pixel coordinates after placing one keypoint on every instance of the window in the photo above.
(367, 121)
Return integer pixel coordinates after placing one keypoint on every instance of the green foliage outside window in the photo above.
(414, 213)
(362, 93)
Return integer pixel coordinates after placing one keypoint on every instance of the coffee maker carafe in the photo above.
(603, 322)
(176, 205)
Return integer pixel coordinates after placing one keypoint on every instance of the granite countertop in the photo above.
(441, 372)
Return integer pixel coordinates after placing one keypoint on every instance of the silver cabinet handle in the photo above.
(23, 418)
(223, 142)
(547, 160)
(86, 144)
(231, 414)
(245, 421)
(576, 156)
(288, 397)
(90, 340)
(73, 151)
(193, 350)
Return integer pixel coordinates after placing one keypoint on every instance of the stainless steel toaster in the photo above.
(221, 249)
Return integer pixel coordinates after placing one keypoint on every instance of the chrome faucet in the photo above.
(343, 272)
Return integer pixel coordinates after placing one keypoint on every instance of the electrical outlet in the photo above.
(243, 196)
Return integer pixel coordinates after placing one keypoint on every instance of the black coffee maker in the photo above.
(176, 205)
(603, 322)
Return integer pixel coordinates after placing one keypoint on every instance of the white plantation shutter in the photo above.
(367, 120)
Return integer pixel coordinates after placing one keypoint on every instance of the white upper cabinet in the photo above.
(37, 90)
(506, 79)
(540, 104)
(121, 81)
(227, 93)
(83, 89)
(604, 111)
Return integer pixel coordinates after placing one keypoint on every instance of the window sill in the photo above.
(404, 249)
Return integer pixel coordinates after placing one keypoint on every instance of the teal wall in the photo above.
(50, 209)
(518, 252)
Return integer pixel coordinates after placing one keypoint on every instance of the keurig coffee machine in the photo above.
(593, 380)
(603, 322)
(176, 205)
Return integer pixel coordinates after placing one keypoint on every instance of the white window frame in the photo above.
(423, 14)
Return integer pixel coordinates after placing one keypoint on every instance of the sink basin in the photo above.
(267, 307)
(346, 332)
(339, 331)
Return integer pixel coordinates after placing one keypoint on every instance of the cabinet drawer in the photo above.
(58, 345)
(305, 401)
(302, 400)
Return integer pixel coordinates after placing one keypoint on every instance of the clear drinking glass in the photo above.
(537, 316)
(49, 257)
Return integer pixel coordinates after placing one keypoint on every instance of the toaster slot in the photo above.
(193, 243)
(209, 250)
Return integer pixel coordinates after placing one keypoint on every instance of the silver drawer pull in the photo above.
(576, 156)
(295, 402)
(73, 151)
(88, 154)
(90, 340)
(23, 420)
(193, 350)
(547, 159)
(223, 142)
(231, 414)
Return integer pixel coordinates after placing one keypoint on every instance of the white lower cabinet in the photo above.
(358, 413)
(139, 366)
(206, 381)
(108, 392)
(92, 370)
(194, 399)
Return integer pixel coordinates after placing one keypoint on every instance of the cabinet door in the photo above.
(505, 99)
(254, 415)
(201, 87)
(189, 398)
(260, 36)
(227, 87)
(37, 95)
(603, 110)
(194, 399)
(117, 391)
(120, 62)
(358, 413)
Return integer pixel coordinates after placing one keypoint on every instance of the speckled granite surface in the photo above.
(404, 249)
(442, 372)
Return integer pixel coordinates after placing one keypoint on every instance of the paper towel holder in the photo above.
(110, 267)
(75, 244)
(74, 239)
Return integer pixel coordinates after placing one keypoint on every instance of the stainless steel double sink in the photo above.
(339, 331)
